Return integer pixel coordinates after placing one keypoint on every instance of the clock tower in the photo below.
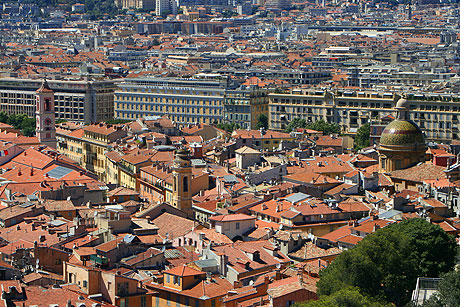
(46, 127)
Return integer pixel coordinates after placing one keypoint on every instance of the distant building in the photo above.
(244, 8)
(82, 101)
(78, 8)
(136, 4)
(165, 7)
(185, 100)
(435, 114)
(278, 4)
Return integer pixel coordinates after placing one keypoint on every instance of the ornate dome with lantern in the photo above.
(402, 143)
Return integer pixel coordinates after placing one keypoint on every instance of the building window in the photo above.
(85, 284)
(168, 299)
(185, 184)
(237, 226)
(47, 105)
(213, 303)
(143, 301)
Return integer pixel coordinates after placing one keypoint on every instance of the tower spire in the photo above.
(402, 108)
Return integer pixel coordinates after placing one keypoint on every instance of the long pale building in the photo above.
(436, 114)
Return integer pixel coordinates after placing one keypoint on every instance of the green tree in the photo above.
(387, 263)
(262, 122)
(229, 127)
(325, 127)
(448, 291)
(346, 297)
(296, 123)
(117, 121)
(362, 136)
(21, 122)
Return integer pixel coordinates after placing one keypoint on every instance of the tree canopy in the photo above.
(386, 264)
(262, 122)
(229, 127)
(347, 297)
(325, 127)
(362, 136)
(320, 125)
(20, 122)
(296, 123)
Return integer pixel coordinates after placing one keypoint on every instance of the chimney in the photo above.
(277, 274)
(237, 284)
(300, 275)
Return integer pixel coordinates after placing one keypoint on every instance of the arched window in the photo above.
(47, 105)
(185, 184)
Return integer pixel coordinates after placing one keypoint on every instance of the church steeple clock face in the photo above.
(48, 121)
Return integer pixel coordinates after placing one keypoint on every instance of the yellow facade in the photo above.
(70, 147)
(95, 142)
(186, 101)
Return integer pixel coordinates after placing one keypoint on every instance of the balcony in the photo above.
(99, 259)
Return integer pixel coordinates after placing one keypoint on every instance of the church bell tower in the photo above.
(46, 125)
(182, 185)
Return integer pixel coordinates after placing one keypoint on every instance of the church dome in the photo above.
(402, 133)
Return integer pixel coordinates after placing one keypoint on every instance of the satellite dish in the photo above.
(37, 263)
(278, 265)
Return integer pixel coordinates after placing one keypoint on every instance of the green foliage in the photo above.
(386, 264)
(229, 127)
(60, 121)
(347, 297)
(20, 122)
(320, 125)
(362, 136)
(117, 121)
(228, 14)
(296, 123)
(325, 127)
(448, 291)
(262, 122)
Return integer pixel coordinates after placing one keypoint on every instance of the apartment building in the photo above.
(369, 76)
(244, 107)
(96, 140)
(183, 100)
(292, 76)
(436, 114)
(82, 101)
